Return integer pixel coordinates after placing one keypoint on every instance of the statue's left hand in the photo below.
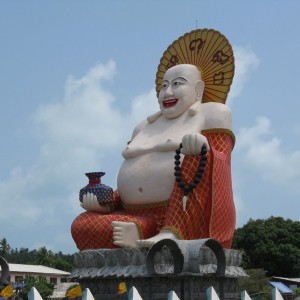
(90, 203)
(192, 143)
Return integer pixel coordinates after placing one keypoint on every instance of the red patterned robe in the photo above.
(210, 210)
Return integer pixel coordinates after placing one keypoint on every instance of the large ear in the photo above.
(199, 90)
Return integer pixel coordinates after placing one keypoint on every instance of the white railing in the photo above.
(133, 294)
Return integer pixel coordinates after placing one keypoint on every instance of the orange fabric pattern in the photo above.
(91, 230)
(210, 210)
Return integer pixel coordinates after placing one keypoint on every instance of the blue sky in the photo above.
(77, 76)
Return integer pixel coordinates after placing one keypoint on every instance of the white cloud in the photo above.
(75, 119)
(84, 131)
(143, 106)
(239, 207)
(246, 62)
(265, 154)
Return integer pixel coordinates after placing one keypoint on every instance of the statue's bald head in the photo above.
(182, 86)
(191, 71)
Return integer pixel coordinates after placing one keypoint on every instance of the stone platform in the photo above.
(187, 267)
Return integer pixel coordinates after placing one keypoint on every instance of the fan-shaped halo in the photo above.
(211, 52)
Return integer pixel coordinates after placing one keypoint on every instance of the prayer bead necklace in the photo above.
(186, 188)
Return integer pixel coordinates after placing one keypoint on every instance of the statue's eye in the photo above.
(164, 85)
(176, 83)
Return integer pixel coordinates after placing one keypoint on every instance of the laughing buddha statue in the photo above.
(194, 126)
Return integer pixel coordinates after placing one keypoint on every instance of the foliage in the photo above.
(44, 287)
(272, 244)
(297, 292)
(4, 248)
(256, 283)
(41, 256)
(48, 258)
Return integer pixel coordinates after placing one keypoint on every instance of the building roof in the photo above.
(291, 280)
(281, 287)
(35, 269)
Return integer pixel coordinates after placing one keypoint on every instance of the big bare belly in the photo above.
(147, 178)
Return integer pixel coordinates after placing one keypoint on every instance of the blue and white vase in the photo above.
(103, 192)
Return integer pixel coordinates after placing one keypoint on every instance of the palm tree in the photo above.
(44, 257)
(4, 248)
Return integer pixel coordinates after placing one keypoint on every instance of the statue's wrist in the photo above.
(111, 207)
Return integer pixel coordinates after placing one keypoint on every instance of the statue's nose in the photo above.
(169, 91)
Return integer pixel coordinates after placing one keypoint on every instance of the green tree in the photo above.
(256, 284)
(41, 256)
(21, 256)
(4, 248)
(44, 287)
(272, 244)
(61, 264)
(44, 257)
(48, 258)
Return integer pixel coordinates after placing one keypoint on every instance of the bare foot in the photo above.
(125, 234)
(164, 234)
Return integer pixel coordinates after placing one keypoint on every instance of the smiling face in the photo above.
(182, 87)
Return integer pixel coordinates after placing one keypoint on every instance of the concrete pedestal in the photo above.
(186, 267)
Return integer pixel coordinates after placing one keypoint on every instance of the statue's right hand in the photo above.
(90, 203)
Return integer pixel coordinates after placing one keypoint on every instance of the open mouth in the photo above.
(169, 103)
